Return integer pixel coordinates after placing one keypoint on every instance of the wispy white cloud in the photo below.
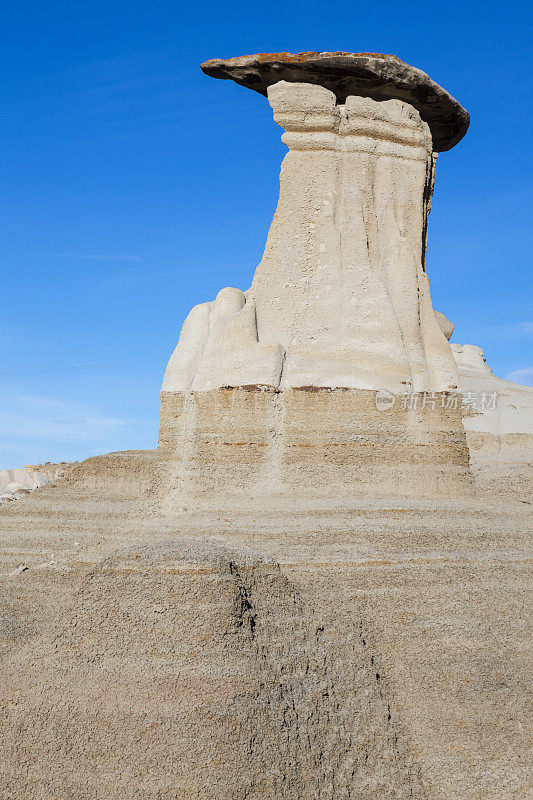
(524, 328)
(99, 256)
(55, 420)
(38, 428)
(523, 376)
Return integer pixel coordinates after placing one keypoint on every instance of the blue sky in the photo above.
(133, 187)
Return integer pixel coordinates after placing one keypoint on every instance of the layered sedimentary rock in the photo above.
(370, 648)
(334, 647)
(339, 308)
(498, 420)
(308, 441)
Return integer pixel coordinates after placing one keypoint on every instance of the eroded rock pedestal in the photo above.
(324, 648)
(274, 388)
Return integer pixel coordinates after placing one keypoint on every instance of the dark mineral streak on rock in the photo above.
(375, 75)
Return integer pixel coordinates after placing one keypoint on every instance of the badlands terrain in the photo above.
(310, 591)
(354, 647)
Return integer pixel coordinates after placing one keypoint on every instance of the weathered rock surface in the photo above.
(445, 325)
(16, 483)
(324, 638)
(375, 75)
(499, 407)
(274, 389)
(329, 648)
(128, 473)
(52, 471)
(498, 421)
(310, 442)
(340, 298)
(219, 346)
(21, 476)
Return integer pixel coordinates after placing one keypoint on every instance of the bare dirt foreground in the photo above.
(360, 648)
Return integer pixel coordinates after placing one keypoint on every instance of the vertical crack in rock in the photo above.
(189, 670)
(319, 723)
(428, 196)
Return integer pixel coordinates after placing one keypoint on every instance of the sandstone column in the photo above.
(342, 285)
(273, 389)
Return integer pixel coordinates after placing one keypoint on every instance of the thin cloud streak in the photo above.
(523, 376)
(55, 420)
(98, 256)
(518, 328)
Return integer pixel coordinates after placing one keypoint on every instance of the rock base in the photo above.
(251, 441)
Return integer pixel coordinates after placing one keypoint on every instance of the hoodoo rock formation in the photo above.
(318, 637)
(375, 75)
(274, 388)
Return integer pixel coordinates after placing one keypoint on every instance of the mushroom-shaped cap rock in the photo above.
(375, 75)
